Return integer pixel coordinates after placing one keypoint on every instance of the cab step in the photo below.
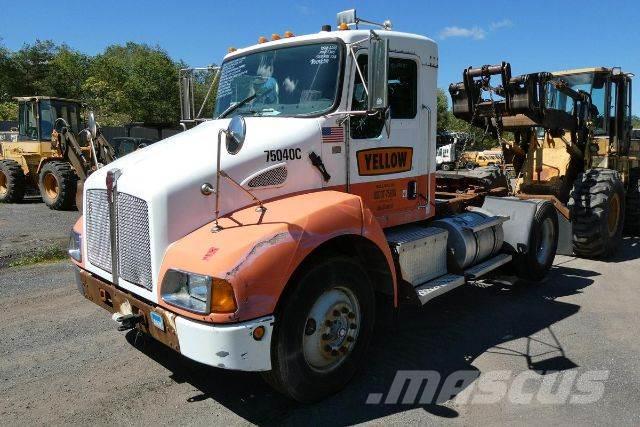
(436, 287)
(484, 267)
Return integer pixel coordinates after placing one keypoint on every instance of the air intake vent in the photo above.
(275, 176)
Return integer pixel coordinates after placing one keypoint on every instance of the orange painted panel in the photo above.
(383, 161)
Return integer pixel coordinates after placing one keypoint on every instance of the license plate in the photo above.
(157, 320)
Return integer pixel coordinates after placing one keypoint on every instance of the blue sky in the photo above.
(532, 35)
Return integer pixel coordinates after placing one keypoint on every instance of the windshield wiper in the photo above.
(234, 107)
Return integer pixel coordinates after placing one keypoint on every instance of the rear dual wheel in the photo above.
(533, 265)
(323, 330)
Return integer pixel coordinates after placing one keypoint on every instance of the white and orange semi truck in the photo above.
(261, 239)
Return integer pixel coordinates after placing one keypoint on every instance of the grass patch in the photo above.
(38, 256)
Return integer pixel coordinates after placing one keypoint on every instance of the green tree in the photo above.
(134, 82)
(68, 70)
(443, 114)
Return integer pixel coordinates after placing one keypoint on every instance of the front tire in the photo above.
(597, 206)
(12, 182)
(58, 185)
(446, 167)
(323, 329)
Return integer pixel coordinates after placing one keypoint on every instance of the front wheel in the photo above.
(58, 185)
(322, 330)
(597, 208)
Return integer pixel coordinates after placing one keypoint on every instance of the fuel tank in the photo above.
(473, 237)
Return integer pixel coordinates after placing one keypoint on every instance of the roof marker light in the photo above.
(343, 26)
(288, 34)
(275, 36)
(262, 39)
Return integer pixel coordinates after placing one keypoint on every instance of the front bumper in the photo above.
(229, 346)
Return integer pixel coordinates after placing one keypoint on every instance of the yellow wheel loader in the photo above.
(572, 145)
(50, 154)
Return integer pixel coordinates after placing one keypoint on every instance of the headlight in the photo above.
(198, 293)
(75, 246)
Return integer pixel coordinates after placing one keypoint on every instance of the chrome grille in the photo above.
(134, 246)
(98, 239)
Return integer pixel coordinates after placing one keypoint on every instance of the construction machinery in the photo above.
(50, 152)
(572, 145)
(266, 239)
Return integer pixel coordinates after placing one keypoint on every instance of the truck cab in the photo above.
(260, 240)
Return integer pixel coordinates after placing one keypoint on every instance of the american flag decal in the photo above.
(333, 134)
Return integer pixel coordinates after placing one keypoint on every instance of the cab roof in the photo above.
(581, 71)
(422, 46)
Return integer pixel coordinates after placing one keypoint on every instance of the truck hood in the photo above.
(169, 174)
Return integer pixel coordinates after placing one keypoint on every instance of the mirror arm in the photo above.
(355, 61)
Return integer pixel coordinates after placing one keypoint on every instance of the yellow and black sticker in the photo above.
(382, 161)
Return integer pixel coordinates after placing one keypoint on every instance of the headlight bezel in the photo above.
(74, 247)
(175, 290)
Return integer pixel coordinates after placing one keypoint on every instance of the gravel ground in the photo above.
(31, 225)
(62, 361)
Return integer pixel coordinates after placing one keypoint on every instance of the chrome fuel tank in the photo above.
(473, 237)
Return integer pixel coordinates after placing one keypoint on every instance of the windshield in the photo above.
(288, 81)
(591, 83)
(51, 110)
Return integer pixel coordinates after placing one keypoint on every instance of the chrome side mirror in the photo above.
(92, 126)
(378, 69)
(236, 132)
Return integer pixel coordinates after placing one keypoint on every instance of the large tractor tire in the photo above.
(534, 265)
(323, 330)
(58, 184)
(597, 209)
(632, 216)
(12, 182)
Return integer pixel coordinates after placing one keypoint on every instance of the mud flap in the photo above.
(518, 228)
(565, 236)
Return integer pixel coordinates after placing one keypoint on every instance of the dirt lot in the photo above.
(62, 361)
(30, 226)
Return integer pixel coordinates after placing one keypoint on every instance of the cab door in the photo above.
(389, 171)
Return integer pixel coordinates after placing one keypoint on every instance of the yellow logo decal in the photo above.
(382, 161)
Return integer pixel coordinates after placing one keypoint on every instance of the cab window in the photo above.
(403, 97)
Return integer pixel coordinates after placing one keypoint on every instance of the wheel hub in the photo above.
(51, 186)
(331, 329)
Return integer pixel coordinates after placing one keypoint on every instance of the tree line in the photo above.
(134, 82)
(123, 84)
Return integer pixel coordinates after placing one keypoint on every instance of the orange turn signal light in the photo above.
(258, 333)
(343, 26)
(223, 299)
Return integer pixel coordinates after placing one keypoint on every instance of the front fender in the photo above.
(257, 252)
